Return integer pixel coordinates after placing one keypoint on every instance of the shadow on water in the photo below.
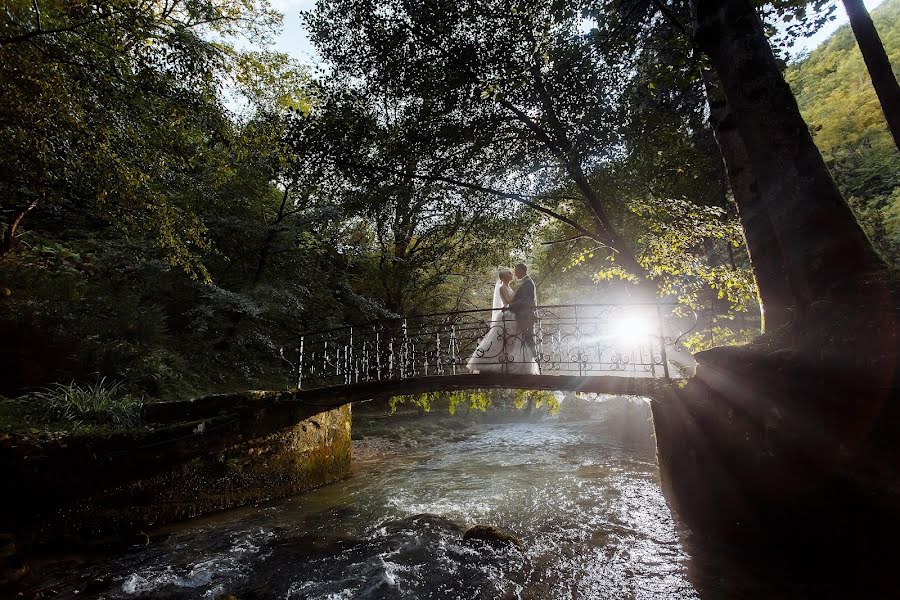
(820, 564)
(583, 496)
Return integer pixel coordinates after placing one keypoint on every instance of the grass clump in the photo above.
(81, 406)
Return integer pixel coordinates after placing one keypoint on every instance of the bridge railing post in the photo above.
(391, 358)
(438, 364)
(300, 363)
(378, 355)
(452, 349)
(578, 343)
(348, 376)
(504, 360)
(662, 341)
(404, 349)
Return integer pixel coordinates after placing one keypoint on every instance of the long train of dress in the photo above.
(503, 350)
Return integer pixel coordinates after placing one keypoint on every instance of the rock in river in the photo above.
(493, 535)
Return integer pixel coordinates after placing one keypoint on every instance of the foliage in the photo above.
(589, 125)
(114, 118)
(536, 399)
(693, 253)
(112, 109)
(142, 321)
(788, 21)
(99, 403)
(722, 331)
(480, 400)
(667, 190)
(518, 97)
(837, 100)
(676, 202)
(176, 245)
(273, 81)
(15, 416)
(420, 236)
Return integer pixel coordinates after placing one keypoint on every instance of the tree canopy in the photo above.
(177, 209)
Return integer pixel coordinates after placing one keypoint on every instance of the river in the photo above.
(587, 506)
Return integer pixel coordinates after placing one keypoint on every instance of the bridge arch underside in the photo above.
(213, 423)
(329, 397)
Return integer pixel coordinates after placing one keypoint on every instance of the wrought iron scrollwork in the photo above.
(584, 339)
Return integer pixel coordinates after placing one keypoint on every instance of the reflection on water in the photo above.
(588, 508)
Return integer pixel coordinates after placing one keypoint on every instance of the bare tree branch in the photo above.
(479, 188)
(24, 37)
(568, 239)
(670, 16)
(37, 14)
(558, 262)
(9, 235)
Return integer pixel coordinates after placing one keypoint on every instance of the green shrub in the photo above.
(88, 405)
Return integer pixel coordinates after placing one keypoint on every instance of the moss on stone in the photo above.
(309, 454)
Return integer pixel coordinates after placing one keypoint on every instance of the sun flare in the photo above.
(633, 330)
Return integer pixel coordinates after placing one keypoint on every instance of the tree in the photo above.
(847, 124)
(521, 91)
(770, 255)
(883, 79)
(499, 75)
(113, 118)
(672, 176)
(827, 257)
(109, 110)
(418, 231)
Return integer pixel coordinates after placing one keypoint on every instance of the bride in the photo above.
(502, 349)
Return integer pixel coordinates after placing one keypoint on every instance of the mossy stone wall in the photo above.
(312, 453)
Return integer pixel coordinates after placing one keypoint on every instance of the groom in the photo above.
(523, 304)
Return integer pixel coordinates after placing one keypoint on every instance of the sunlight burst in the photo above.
(633, 330)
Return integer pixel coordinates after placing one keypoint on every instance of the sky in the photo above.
(294, 41)
(840, 19)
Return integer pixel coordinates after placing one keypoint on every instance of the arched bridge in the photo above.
(599, 348)
(631, 349)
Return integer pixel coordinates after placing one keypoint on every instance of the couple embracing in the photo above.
(509, 345)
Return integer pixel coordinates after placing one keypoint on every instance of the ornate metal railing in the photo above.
(637, 340)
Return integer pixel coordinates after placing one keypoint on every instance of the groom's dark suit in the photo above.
(522, 305)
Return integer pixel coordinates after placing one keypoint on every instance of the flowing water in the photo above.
(587, 507)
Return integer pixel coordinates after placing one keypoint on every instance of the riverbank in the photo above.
(378, 435)
(785, 450)
(68, 490)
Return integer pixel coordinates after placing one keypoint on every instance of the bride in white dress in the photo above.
(502, 349)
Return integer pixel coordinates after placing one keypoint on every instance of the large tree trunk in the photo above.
(768, 441)
(826, 255)
(775, 298)
(883, 80)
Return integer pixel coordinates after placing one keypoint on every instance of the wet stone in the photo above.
(493, 535)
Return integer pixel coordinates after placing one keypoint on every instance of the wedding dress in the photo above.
(502, 349)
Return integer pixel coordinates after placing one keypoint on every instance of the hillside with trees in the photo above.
(839, 104)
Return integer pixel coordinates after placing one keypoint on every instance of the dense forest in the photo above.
(176, 208)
